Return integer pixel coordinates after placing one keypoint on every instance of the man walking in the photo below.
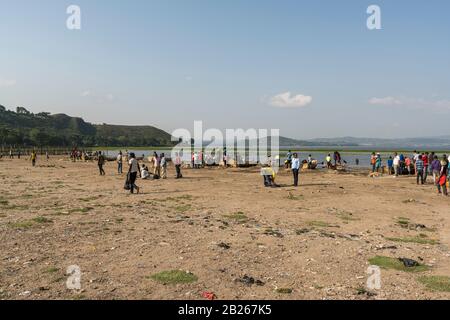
(419, 169)
(101, 162)
(295, 168)
(163, 166)
(119, 163)
(396, 164)
(178, 166)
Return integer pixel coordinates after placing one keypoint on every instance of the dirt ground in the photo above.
(219, 224)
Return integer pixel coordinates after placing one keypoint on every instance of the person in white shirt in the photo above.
(119, 163)
(133, 171)
(295, 168)
(178, 166)
(396, 164)
(144, 172)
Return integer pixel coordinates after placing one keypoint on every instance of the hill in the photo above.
(23, 128)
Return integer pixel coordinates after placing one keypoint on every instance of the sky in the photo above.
(309, 68)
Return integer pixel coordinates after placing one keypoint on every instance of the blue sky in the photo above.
(232, 64)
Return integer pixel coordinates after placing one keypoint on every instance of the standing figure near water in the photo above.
(119, 163)
(408, 164)
(295, 168)
(133, 171)
(436, 169)
(419, 170)
(178, 166)
(100, 163)
(288, 159)
(163, 166)
(425, 166)
(337, 158)
(373, 161)
(328, 161)
(378, 162)
(33, 158)
(156, 165)
(443, 175)
(390, 164)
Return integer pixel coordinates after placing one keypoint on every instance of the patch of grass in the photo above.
(183, 208)
(320, 224)
(393, 263)
(82, 210)
(51, 270)
(293, 197)
(347, 216)
(237, 216)
(3, 202)
(436, 283)
(419, 240)
(17, 207)
(174, 277)
(284, 290)
(90, 198)
(403, 221)
(42, 220)
(21, 224)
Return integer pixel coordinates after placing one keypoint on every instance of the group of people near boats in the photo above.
(420, 164)
(158, 163)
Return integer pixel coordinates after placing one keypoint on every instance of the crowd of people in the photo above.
(420, 164)
(425, 166)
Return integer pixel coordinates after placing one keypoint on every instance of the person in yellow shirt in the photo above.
(33, 158)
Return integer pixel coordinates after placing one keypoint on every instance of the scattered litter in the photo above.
(250, 281)
(209, 295)
(223, 245)
(409, 263)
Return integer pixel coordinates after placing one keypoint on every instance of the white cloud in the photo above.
(188, 78)
(287, 100)
(7, 83)
(386, 101)
(412, 103)
(98, 97)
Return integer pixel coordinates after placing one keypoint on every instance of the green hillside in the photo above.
(23, 128)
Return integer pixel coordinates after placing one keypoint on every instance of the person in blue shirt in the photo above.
(390, 164)
(419, 170)
(288, 159)
(295, 168)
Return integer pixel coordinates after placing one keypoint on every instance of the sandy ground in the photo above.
(315, 239)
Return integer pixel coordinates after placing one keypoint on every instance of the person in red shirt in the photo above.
(425, 166)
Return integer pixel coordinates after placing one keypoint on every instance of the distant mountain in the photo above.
(419, 143)
(288, 142)
(23, 128)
